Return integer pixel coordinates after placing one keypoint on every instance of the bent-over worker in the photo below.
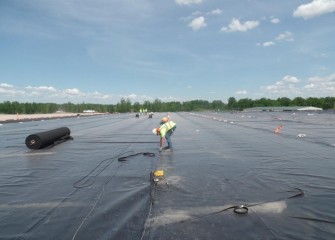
(165, 131)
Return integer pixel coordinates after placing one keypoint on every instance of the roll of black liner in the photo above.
(44, 139)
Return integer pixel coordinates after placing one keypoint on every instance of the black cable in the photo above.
(92, 177)
(243, 209)
(153, 187)
(125, 158)
(314, 219)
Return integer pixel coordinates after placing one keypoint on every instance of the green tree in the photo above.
(232, 103)
(245, 103)
(218, 105)
(329, 103)
(284, 102)
(124, 105)
(263, 102)
(136, 106)
(157, 106)
(313, 101)
(187, 106)
(299, 101)
(6, 107)
(148, 105)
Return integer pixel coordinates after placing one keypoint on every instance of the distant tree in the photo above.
(329, 103)
(232, 103)
(173, 106)
(6, 107)
(136, 106)
(199, 105)
(284, 101)
(218, 105)
(187, 106)
(299, 101)
(313, 101)
(16, 108)
(124, 105)
(147, 105)
(157, 106)
(263, 102)
(245, 103)
(110, 108)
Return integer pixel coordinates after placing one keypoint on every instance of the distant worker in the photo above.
(167, 127)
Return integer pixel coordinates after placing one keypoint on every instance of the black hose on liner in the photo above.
(44, 139)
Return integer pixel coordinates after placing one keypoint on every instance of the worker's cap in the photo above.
(165, 119)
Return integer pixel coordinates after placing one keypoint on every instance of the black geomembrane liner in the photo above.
(229, 176)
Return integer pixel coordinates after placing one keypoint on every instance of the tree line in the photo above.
(125, 105)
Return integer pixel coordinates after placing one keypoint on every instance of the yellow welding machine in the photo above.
(159, 173)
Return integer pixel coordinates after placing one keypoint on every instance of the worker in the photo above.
(167, 127)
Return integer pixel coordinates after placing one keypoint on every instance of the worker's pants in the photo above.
(168, 137)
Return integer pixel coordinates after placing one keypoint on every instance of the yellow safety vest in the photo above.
(166, 127)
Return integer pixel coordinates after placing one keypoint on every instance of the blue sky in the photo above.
(174, 50)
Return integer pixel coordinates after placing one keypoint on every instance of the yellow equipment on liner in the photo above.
(157, 175)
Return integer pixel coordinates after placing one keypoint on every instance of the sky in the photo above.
(173, 50)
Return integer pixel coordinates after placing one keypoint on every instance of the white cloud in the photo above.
(198, 18)
(284, 86)
(198, 23)
(188, 2)
(97, 95)
(51, 94)
(146, 98)
(9, 90)
(286, 36)
(283, 37)
(267, 44)
(169, 99)
(215, 12)
(132, 96)
(275, 20)
(315, 8)
(321, 84)
(236, 26)
(290, 79)
(313, 87)
(241, 92)
(42, 89)
(73, 92)
(310, 86)
(5, 85)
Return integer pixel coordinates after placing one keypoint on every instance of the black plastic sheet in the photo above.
(46, 138)
(80, 190)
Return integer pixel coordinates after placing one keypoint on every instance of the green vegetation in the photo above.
(125, 105)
